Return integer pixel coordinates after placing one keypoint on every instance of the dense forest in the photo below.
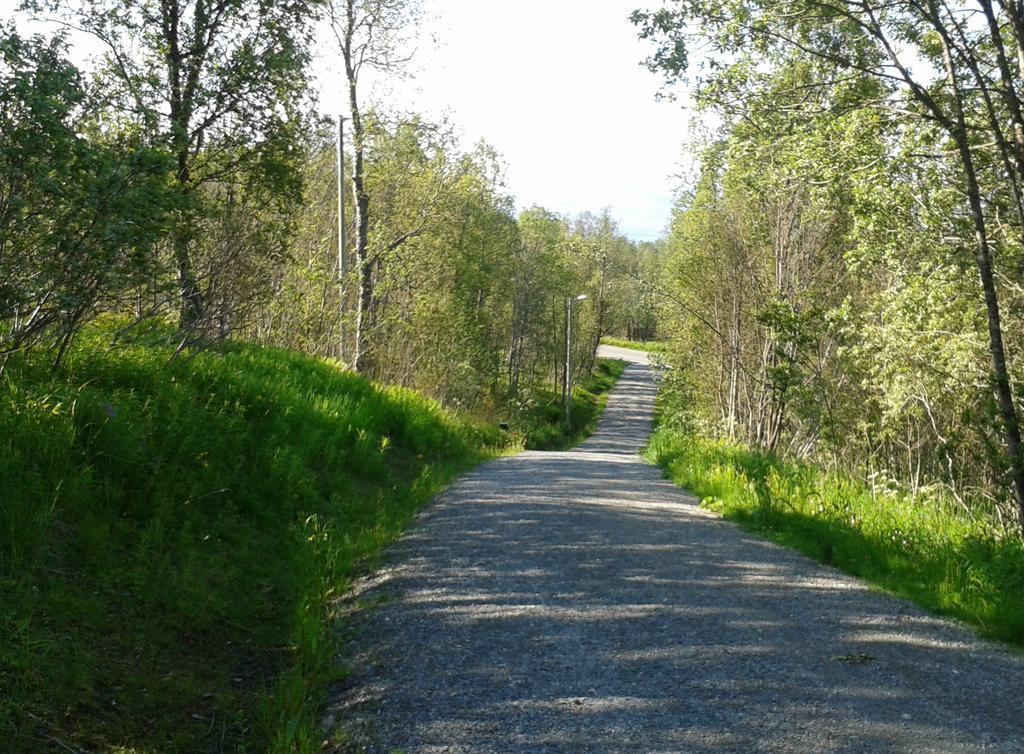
(844, 276)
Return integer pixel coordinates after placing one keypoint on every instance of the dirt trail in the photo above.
(578, 602)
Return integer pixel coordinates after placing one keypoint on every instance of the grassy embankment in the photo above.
(172, 536)
(926, 549)
(651, 346)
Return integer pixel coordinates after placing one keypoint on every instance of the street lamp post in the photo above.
(568, 355)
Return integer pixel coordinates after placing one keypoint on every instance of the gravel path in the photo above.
(578, 602)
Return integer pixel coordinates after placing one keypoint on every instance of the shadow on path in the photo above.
(578, 602)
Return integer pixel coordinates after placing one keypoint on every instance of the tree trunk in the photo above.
(361, 357)
(180, 120)
(191, 296)
(1001, 374)
(983, 258)
(188, 286)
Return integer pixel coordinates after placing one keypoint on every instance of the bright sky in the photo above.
(556, 86)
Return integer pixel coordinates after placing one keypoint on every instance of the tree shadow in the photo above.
(579, 602)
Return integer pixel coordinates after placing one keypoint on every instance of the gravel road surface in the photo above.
(578, 602)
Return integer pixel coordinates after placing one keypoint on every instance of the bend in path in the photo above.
(626, 354)
(579, 602)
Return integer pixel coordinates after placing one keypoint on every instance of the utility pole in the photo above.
(568, 355)
(342, 257)
(568, 361)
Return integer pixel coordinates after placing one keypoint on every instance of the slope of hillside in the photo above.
(172, 533)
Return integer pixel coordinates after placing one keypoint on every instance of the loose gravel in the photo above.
(579, 602)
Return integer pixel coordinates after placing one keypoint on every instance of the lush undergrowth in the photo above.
(924, 548)
(651, 346)
(172, 534)
(542, 425)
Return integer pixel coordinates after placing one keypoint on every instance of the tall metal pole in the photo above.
(568, 361)
(342, 257)
(568, 354)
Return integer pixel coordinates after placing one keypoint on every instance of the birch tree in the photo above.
(371, 35)
(217, 82)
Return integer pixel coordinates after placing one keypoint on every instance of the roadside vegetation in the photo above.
(543, 426)
(173, 533)
(841, 288)
(927, 547)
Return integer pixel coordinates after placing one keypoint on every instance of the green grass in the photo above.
(651, 346)
(541, 424)
(924, 548)
(172, 536)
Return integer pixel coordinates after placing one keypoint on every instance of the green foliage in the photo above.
(754, 266)
(172, 537)
(468, 301)
(894, 127)
(925, 548)
(443, 295)
(623, 276)
(222, 89)
(816, 304)
(81, 210)
(539, 422)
